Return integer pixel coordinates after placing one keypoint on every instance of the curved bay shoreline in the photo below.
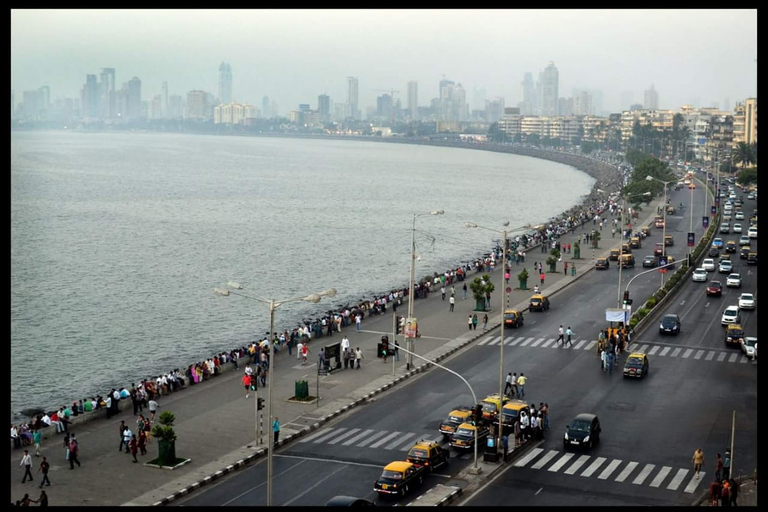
(608, 180)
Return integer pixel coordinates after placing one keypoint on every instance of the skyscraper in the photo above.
(324, 107)
(133, 90)
(651, 99)
(164, 100)
(413, 99)
(549, 79)
(89, 97)
(225, 83)
(528, 94)
(352, 96)
(108, 105)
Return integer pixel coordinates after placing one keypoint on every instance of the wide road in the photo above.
(650, 427)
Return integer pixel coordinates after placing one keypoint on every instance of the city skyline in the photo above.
(310, 69)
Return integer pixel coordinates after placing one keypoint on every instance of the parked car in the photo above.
(749, 347)
(464, 437)
(699, 275)
(714, 289)
(708, 264)
(583, 431)
(746, 301)
(733, 280)
(510, 412)
(731, 315)
(456, 417)
(670, 324)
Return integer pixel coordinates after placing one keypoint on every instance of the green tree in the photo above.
(481, 289)
(743, 155)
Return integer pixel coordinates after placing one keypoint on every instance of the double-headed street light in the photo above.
(664, 228)
(409, 335)
(273, 305)
(623, 209)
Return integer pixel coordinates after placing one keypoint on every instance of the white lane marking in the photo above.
(518, 340)
(548, 343)
(526, 342)
(626, 471)
(675, 352)
(610, 469)
(357, 437)
(372, 438)
(400, 441)
(721, 356)
(710, 355)
(316, 434)
(654, 350)
(345, 435)
(560, 462)
(733, 357)
(486, 340)
(744, 359)
(694, 483)
(660, 476)
(385, 439)
(677, 479)
(639, 479)
(322, 439)
(687, 353)
(641, 348)
(537, 342)
(664, 351)
(698, 355)
(546, 458)
(528, 457)
(593, 467)
(590, 344)
(576, 465)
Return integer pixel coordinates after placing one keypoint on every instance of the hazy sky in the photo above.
(702, 56)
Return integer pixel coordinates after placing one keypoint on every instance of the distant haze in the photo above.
(292, 56)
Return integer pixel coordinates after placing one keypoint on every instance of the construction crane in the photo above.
(392, 93)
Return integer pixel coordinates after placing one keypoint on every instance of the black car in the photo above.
(583, 430)
(714, 252)
(670, 324)
(650, 261)
(348, 501)
(744, 253)
(752, 258)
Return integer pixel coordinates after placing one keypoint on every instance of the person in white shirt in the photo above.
(15, 436)
(127, 435)
(345, 349)
(46, 419)
(152, 409)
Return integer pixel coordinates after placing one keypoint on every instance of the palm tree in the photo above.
(742, 154)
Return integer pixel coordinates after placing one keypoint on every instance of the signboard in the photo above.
(509, 289)
(717, 201)
(692, 239)
(322, 371)
(713, 211)
(411, 328)
(705, 222)
(618, 315)
(663, 261)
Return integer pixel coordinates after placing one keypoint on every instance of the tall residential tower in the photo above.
(225, 83)
(549, 79)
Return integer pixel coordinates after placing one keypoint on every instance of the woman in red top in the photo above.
(247, 384)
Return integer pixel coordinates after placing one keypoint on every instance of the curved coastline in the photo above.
(606, 175)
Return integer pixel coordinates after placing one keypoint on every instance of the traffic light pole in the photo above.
(258, 416)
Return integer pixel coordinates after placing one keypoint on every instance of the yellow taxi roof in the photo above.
(424, 444)
(460, 412)
(637, 354)
(668, 236)
(399, 465)
(537, 296)
(510, 311)
(602, 258)
(492, 399)
(516, 405)
(467, 426)
(615, 249)
(731, 327)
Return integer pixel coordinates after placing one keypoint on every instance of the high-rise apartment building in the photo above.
(353, 97)
(108, 87)
(528, 95)
(175, 107)
(651, 99)
(164, 100)
(133, 90)
(89, 97)
(745, 121)
(196, 105)
(413, 100)
(324, 107)
(225, 83)
(549, 79)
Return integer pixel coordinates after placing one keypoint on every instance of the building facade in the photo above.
(225, 83)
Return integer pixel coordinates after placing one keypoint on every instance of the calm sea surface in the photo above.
(117, 240)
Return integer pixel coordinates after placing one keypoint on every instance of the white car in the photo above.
(739, 215)
(746, 301)
(737, 226)
(699, 275)
(731, 316)
(749, 347)
(752, 232)
(725, 267)
(733, 281)
(744, 240)
(708, 264)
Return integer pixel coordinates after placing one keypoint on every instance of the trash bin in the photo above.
(301, 389)
(491, 453)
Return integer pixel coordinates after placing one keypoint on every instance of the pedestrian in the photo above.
(152, 409)
(464, 289)
(44, 467)
(74, 450)
(568, 335)
(37, 440)
(25, 501)
(359, 321)
(600, 342)
(321, 358)
(397, 350)
(734, 488)
(524, 424)
(505, 444)
(134, 448)
(469, 322)
(565, 268)
(453, 291)
(485, 322)
(300, 348)
(541, 279)
(276, 429)
(573, 269)
(521, 380)
(43, 499)
(725, 494)
(727, 465)
(452, 301)
(545, 413)
(66, 446)
(247, 384)
(603, 360)
(127, 436)
(508, 385)
(304, 354)
(26, 463)
(715, 490)
(142, 443)
(609, 362)
(474, 321)
(359, 357)
(534, 428)
(718, 467)
(345, 349)
(698, 461)
(442, 291)
(506, 276)
(560, 334)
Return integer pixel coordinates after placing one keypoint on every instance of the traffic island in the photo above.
(302, 400)
(175, 464)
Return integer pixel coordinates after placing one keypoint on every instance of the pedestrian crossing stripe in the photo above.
(684, 353)
(588, 466)
(381, 439)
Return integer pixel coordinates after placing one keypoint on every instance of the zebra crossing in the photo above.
(369, 438)
(720, 356)
(589, 466)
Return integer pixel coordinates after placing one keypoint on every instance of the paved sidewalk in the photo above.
(215, 422)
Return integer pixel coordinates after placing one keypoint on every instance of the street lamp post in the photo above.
(273, 305)
(409, 340)
(664, 227)
(621, 243)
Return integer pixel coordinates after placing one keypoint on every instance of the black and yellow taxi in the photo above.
(658, 222)
(669, 240)
(627, 261)
(658, 249)
(671, 210)
(614, 254)
(510, 413)
(744, 252)
(635, 242)
(670, 262)
(429, 454)
(513, 318)
(398, 478)
(491, 405)
(455, 418)
(602, 264)
(464, 437)
(730, 246)
(636, 365)
(538, 302)
(734, 335)
(752, 258)
(626, 249)
(646, 230)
